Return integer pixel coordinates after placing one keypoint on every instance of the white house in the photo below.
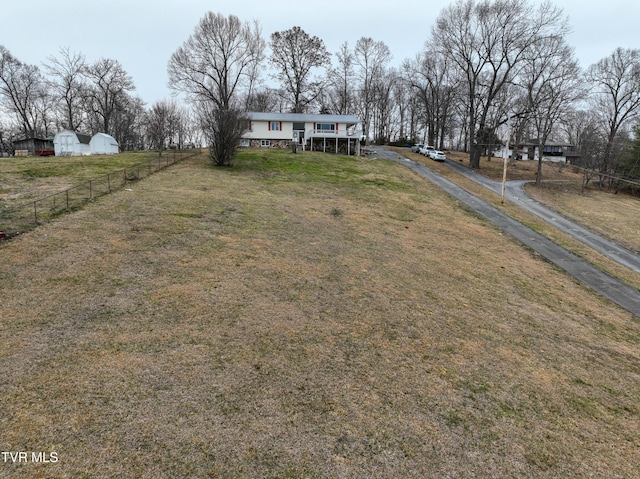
(103, 144)
(530, 150)
(553, 151)
(71, 143)
(327, 133)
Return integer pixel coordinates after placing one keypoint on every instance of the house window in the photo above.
(265, 143)
(326, 127)
(553, 150)
(275, 125)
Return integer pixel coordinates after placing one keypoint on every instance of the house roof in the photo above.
(536, 142)
(33, 139)
(82, 138)
(300, 117)
(111, 139)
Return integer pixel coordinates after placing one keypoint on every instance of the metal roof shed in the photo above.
(103, 144)
(70, 143)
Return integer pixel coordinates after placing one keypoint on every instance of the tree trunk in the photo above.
(474, 157)
(539, 172)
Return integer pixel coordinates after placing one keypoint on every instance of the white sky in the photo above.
(142, 34)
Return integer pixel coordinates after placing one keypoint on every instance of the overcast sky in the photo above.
(142, 34)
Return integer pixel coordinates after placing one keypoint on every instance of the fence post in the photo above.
(35, 212)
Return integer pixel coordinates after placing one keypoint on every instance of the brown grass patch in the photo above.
(322, 317)
(614, 216)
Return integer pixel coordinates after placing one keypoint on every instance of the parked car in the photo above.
(425, 150)
(416, 148)
(437, 155)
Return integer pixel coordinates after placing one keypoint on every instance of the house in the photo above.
(70, 143)
(103, 144)
(34, 147)
(327, 133)
(553, 151)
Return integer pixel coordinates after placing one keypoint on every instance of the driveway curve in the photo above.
(515, 193)
(612, 288)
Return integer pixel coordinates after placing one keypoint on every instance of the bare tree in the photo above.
(164, 121)
(127, 121)
(294, 55)
(109, 85)
(190, 132)
(383, 105)
(68, 84)
(551, 77)
(265, 99)
(215, 67)
(223, 130)
(403, 99)
(370, 59)
(488, 42)
(615, 97)
(430, 76)
(340, 98)
(630, 166)
(582, 130)
(8, 134)
(217, 61)
(23, 94)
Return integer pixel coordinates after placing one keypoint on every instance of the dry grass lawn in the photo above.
(305, 316)
(27, 178)
(614, 216)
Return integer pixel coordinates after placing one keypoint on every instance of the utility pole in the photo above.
(505, 155)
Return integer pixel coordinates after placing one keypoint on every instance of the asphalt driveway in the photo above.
(612, 288)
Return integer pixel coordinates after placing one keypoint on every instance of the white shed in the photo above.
(103, 144)
(70, 143)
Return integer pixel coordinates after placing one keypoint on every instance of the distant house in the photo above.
(553, 151)
(34, 147)
(327, 133)
(71, 143)
(103, 144)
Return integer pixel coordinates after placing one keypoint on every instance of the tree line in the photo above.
(70, 93)
(489, 71)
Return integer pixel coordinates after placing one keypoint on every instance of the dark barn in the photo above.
(35, 146)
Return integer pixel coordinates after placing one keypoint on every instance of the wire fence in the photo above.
(28, 215)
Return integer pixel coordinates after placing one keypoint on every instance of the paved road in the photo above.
(615, 290)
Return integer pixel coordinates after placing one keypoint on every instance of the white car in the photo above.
(425, 150)
(416, 148)
(437, 155)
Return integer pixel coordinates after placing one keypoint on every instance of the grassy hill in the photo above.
(305, 316)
